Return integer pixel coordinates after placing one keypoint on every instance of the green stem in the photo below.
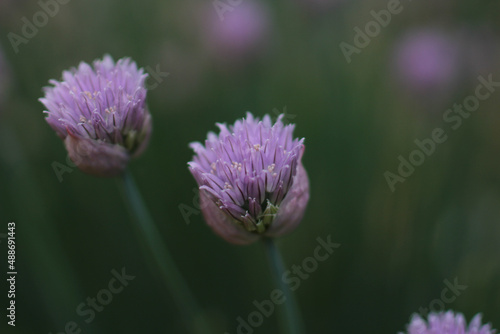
(291, 320)
(182, 296)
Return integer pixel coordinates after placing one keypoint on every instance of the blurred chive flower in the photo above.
(238, 35)
(447, 323)
(251, 179)
(427, 60)
(100, 112)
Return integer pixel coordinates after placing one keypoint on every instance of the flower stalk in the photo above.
(290, 317)
(191, 312)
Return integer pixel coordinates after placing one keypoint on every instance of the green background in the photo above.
(397, 248)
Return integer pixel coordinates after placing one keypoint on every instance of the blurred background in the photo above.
(360, 100)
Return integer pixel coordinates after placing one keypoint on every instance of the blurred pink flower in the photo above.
(237, 34)
(427, 60)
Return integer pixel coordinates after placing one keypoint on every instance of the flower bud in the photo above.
(251, 179)
(100, 112)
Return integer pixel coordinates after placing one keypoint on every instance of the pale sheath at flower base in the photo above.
(251, 179)
(447, 323)
(100, 112)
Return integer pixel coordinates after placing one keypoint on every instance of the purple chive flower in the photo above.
(447, 323)
(251, 179)
(100, 112)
